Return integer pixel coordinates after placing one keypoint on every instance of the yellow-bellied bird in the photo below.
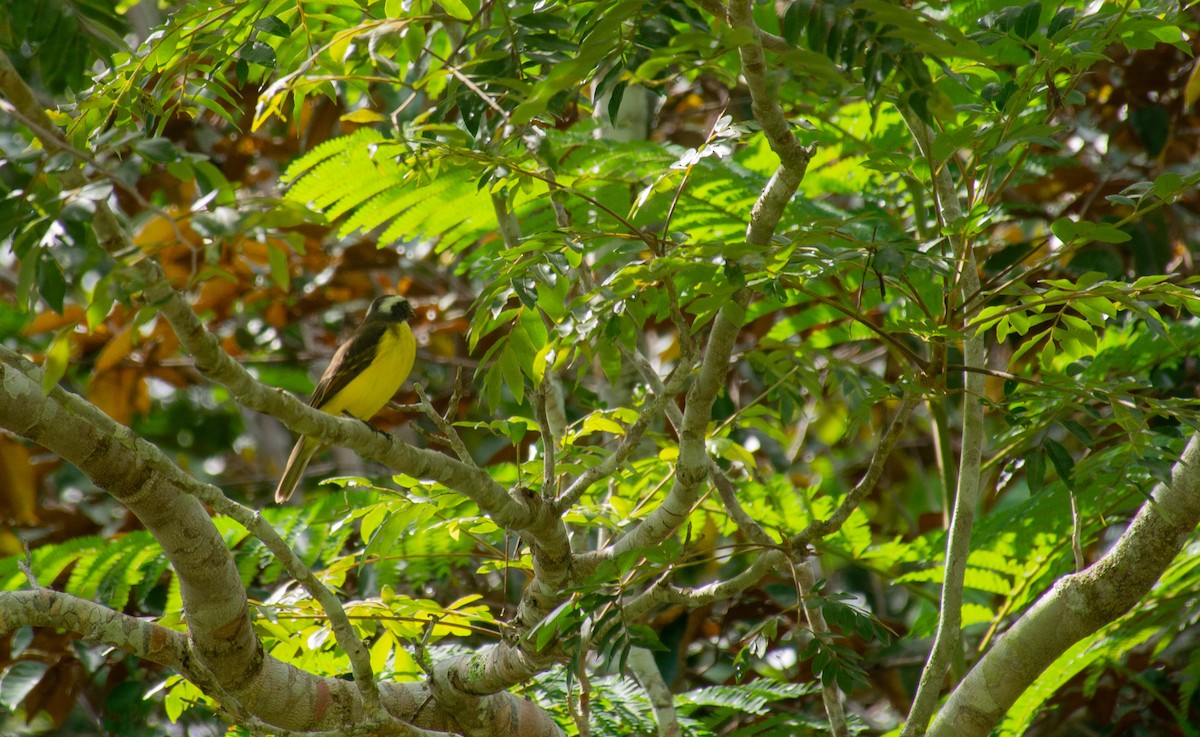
(366, 371)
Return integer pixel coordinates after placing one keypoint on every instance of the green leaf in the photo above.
(257, 52)
(550, 298)
(157, 149)
(644, 636)
(1152, 126)
(1035, 470)
(18, 681)
(101, 302)
(278, 261)
(510, 367)
(372, 520)
(1088, 231)
(52, 285)
(527, 296)
(456, 9)
(1167, 185)
(731, 451)
(1064, 229)
(271, 24)
(795, 18)
(1062, 461)
(58, 356)
(1026, 23)
(1080, 432)
(1061, 20)
(599, 423)
(515, 430)
(545, 630)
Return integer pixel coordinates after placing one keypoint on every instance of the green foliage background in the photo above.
(302, 145)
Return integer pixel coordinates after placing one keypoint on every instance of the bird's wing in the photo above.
(349, 361)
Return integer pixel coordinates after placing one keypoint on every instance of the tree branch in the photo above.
(805, 581)
(793, 157)
(664, 593)
(42, 607)
(1078, 605)
(726, 490)
(958, 542)
(664, 394)
(444, 425)
(818, 529)
(645, 670)
(167, 501)
(769, 41)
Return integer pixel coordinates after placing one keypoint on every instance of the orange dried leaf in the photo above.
(115, 350)
(18, 485)
(120, 393)
(48, 322)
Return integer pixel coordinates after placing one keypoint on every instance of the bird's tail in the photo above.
(305, 448)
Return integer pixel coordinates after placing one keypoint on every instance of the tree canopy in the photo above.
(812, 367)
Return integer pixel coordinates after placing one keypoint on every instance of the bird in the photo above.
(366, 371)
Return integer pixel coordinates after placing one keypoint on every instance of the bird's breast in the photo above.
(368, 392)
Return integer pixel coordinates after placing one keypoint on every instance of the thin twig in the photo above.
(444, 425)
(1076, 533)
(26, 565)
(663, 397)
(819, 529)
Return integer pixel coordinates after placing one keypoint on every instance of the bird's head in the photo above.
(390, 307)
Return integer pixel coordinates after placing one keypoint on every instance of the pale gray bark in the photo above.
(1078, 605)
(946, 641)
(645, 670)
(222, 649)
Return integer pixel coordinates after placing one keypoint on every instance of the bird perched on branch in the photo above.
(366, 371)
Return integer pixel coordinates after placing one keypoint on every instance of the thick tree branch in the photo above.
(167, 501)
(1078, 605)
(793, 157)
(43, 607)
(459, 683)
(137, 474)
